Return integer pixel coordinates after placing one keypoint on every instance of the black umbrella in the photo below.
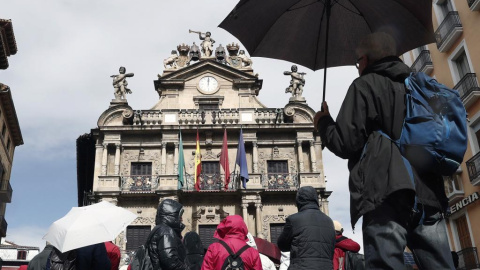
(307, 31)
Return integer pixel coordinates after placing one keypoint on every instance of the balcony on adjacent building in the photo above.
(473, 167)
(448, 31)
(5, 192)
(474, 5)
(423, 63)
(280, 181)
(3, 226)
(468, 89)
(468, 259)
(139, 183)
(453, 189)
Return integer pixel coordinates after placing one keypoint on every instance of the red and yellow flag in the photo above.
(198, 164)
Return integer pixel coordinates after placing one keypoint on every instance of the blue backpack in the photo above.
(434, 133)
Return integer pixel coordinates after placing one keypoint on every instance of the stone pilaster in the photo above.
(164, 158)
(117, 158)
(313, 158)
(104, 158)
(300, 156)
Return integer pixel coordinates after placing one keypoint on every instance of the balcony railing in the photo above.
(423, 63)
(280, 181)
(6, 192)
(473, 167)
(140, 182)
(467, 85)
(448, 31)
(468, 259)
(3, 226)
(474, 5)
(211, 181)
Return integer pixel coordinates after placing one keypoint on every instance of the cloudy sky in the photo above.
(60, 82)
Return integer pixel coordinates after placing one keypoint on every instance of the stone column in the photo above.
(258, 217)
(313, 158)
(245, 213)
(104, 158)
(164, 157)
(98, 164)
(300, 156)
(117, 158)
(175, 159)
(255, 157)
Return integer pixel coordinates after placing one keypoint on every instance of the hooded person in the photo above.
(195, 250)
(309, 235)
(39, 262)
(233, 232)
(267, 264)
(165, 247)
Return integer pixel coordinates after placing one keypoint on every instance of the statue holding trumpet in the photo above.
(207, 42)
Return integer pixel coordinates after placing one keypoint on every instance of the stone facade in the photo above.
(283, 152)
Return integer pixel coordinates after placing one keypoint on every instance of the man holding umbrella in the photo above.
(380, 186)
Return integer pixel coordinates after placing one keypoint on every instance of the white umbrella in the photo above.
(88, 225)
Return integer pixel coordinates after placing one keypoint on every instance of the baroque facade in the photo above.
(131, 158)
(453, 61)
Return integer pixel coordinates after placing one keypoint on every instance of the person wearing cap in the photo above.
(342, 244)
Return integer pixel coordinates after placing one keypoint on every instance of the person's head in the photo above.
(174, 52)
(122, 70)
(193, 243)
(338, 227)
(232, 227)
(374, 47)
(241, 52)
(170, 212)
(208, 34)
(294, 68)
(307, 196)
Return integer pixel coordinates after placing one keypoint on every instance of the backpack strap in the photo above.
(229, 250)
(340, 239)
(240, 251)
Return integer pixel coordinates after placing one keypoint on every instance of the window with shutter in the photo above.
(21, 255)
(141, 168)
(136, 236)
(206, 234)
(277, 166)
(275, 231)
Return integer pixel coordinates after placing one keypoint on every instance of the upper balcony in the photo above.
(468, 259)
(3, 226)
(6, 192)
(139, 183)
(448, 31)
(473, 167)
(275, 181)
(423, 63)
(453, 188)
(468, 89)
(474, 5)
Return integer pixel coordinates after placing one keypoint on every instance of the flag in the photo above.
(198, 164)
(224, 159)
(242, 160)
(181, 163)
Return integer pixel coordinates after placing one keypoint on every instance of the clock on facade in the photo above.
(208, 84)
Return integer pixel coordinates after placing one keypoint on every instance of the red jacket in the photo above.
(233, 231)
(113, 253)
(340, 248)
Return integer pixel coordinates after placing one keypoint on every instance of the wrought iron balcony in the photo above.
(211, 181)
(473, 167)
(3, 226)
(139, 182)
(6, 192)
(280, 181)
(423, 63)
(467, 85)
(448, 31)
(468, 259)
(474, 5)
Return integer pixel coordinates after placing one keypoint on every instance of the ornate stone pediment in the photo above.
(297, 112)
(118, 115)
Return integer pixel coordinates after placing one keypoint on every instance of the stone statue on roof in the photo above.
(120, 83)
(246, 61)
(207, 42)
(296, 83)
(171, 60)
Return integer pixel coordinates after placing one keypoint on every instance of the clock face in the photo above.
(208, 84)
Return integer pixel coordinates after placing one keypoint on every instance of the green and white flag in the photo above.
(181, 163)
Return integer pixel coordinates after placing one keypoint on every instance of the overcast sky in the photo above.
(60, 82)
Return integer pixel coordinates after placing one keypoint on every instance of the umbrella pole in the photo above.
(328, 7)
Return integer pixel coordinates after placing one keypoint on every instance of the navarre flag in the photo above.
(224, 159)
(198, 164)
(242, 160)
(181, 163)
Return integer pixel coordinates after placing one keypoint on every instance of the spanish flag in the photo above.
(198, 164)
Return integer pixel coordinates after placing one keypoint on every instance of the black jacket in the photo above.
(93, 257)
(195, 250)
(166, 249)
(309, 235)
(376, 101)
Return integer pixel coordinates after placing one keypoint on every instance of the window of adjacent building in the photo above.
(141, 168)
(462, 65)
(210, 167)
(136, 236)
(463, 234)
(277, 166)
(452, 184)
(21, 255)
(275, 231)
(206, 234)
(445, 7)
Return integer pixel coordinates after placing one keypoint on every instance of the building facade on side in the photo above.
(132, 158)
(11, 135)
(454, 60)
(13, 255)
